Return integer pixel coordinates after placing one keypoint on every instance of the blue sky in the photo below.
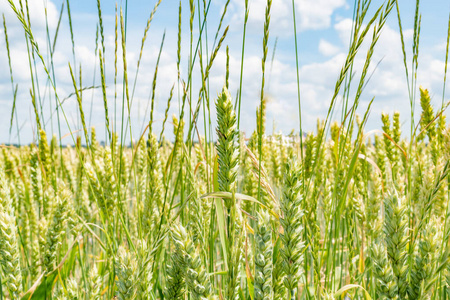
(323, 34)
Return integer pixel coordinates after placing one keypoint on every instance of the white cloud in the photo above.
(317, 14)
(310, 15)
(327, 48)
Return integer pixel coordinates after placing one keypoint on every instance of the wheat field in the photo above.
(337, 213)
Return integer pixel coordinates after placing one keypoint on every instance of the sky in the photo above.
(323, 34)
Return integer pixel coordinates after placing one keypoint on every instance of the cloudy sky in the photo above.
(323, 32)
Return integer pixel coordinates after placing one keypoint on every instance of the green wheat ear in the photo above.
(197, 279)
(290, 204)
(227, 147)
(385, 284)
(9, 246)
(175, 285)
(56, 231)
(395, 230)
(154, 196)
(96, 283)
(263, 258)
(125, 268)
(228, 157)
(424, 270)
